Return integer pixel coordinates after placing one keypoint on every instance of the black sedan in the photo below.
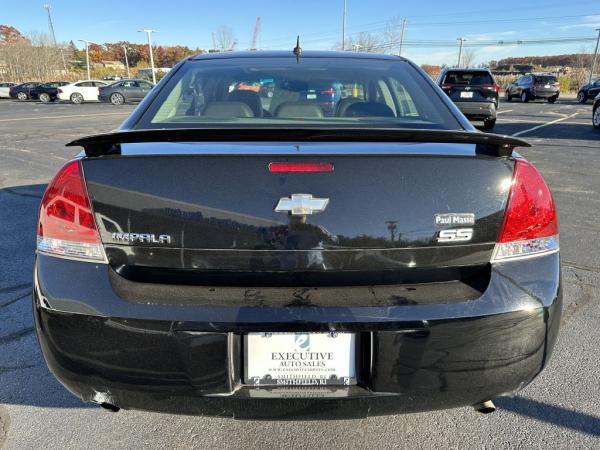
(588, 91)
(23, 91)
(124, 91)
(46, 92)
(228, 254)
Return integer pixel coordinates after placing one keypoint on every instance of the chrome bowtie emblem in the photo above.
(301, 204)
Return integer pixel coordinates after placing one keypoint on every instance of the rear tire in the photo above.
(596, 118)
(552, 99)
(581, 97)
(489, 124)
(22, 96)
(507, 96)
(524, 97)
(76, 98)
(117, 99)
(44, 97)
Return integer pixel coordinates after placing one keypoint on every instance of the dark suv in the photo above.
(588, 91)
(533, 86)
(474, 91)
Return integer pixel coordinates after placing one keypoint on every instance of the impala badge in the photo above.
(301, 204)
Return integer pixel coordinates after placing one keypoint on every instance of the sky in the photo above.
(319, 23)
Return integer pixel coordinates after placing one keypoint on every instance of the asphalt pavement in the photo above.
(560, 409)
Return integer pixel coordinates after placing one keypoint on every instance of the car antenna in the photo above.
(297, 50)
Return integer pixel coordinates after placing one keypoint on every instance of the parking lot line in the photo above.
(544, 125)
(19, 119)
(505, 111)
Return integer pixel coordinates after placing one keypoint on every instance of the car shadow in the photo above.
(552, 414)
(24, 377)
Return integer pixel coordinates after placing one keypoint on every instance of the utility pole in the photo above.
(402, 35)
(461, 40)
(344, 27)
(51, 27)
(126, 60)
(594, 58)
(87, 56)
(149, 33)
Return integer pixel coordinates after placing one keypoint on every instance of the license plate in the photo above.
(300, 359)
(466, 95)
(547, 86)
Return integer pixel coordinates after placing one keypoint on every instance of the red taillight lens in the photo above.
(491, 87)
(66, 223)
(291, 167)
(530, 224)
(556, 85)
(446, 86)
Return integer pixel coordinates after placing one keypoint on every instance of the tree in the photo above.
(10, 35)
(365, 42)
(468, 57)
(225, 39)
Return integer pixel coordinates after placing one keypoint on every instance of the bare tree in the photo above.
(225, 39)
(468, 57)
(365, 42)
(34, 58)
(391, 36)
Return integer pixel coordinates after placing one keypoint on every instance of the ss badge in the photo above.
(455, 235)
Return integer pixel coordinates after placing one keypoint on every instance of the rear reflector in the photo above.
(530, 225)
(291, 167)
(66, 225)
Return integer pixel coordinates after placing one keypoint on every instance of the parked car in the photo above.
(4, 89)
(588, 91)
(81, 91)
(473, 91)
(22, 91)
(534, 86)
(124, 91)
(596, 112)
(215, 257)
(47, 92)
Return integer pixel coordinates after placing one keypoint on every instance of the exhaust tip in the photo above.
(486, 407)
(110, 407)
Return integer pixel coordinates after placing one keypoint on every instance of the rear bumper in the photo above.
(544, 94)
(477, 110)
(188, 359)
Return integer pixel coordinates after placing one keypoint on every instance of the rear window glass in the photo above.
(547, 79)
(466, 78)
(313, 91)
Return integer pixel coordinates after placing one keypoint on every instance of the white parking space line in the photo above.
(544, 125)
(20, 119)
(505, 111)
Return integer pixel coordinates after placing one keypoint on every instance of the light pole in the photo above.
(594, 58)
(344, 27)
(402, 35)
(51, 26)
(149, 33)
(126, 60)
(87, 55)
(461, 40)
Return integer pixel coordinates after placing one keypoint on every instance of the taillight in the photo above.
(530, 224)
(556, 85)
(328, 92)
(446, 86)
(491, 87)
(66, 224)
(291, 167)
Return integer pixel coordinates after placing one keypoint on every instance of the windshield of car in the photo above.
(468, 78)
(311, 92)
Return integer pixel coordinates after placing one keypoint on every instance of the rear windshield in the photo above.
(468, 78)
(547, 79)
(311, 92)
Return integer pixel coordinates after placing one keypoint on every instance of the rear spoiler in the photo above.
(486, 143)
